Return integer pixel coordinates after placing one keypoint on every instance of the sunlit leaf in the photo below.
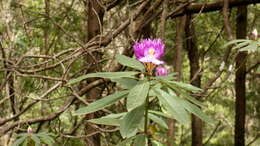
(125, 83)
(137, 95)
(158, 120)
(19, 141)
(173, 106)
(185, 86)
(35, 139)
(109, 75)
(235, 41)
(130, 62)
(101, 103)
(106, 121)
(129, 124)
(140, 140)
(195, 110)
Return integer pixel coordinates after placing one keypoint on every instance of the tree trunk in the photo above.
(240, 79)
(177, 65)
(95, 14)
(195, 77)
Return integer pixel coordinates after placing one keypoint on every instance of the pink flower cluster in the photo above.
(149, 52)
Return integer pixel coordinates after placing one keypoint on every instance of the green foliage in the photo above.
(109, 75)
(101, 103)
(130, 62)
(131, 121)
(244, 45)
(171, 96)
(28, 139)
(137, 95)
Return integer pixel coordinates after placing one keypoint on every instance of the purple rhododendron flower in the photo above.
(161, 71)
(149, 50)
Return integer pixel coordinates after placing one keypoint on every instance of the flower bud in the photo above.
(161, 71)
(254, 34)
(29, 130)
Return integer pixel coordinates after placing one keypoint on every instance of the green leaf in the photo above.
(240, 45)
(160, 114)
(36, 139)
(109, 75)
(101, 103)
(129, 124)
(169, 77)
(126, 142)
(125, 83)
(130, 62)
(173, 106)
(235, 41)
(140, 140)
(195, 110)
(251, 47)
(25, 142)
(119, 115)
(158, 120)
(46, 138)
(156, 143)
(137, 95)
(106, 121)
(185, 86)
(19, 141)
(184, 94)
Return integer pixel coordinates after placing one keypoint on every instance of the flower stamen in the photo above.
(151, 51)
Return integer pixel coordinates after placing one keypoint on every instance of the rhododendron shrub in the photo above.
(152, 95)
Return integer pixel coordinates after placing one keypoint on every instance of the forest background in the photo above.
(46, 43)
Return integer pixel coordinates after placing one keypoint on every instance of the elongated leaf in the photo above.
(184, 94)
(156, 143)
(25, 142)
(240, 45)
(19, 141)
(115, 116)
(168, 77)
(235, 41)
(137, 95)
(125, 83)
(158, 120)
(129, 124)
(109, 75)
(196, 111)
(251, 47)
(106, 121)
(140, 140)
(36, 139)
(101, 103)
(46, 138)
(160, 114)
(173, 106)
(130, 62)
(185, 86)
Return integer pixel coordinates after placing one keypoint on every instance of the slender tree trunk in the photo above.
(95, 14)
(177, 65)
(240, 86)
(195, 77)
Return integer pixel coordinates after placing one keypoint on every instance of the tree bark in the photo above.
(240, 79)
(210, 6)
(177, 65)
(95, 14)
(195, 77)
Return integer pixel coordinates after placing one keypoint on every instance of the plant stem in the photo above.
(146, 116)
